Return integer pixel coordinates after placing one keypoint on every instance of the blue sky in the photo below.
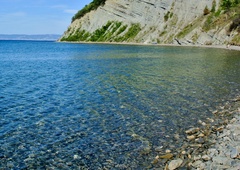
(37, 16)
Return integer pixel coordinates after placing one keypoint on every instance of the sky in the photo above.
(38, 16)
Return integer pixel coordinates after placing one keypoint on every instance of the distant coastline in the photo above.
(35, 37)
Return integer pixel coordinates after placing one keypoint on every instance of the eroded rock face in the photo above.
(159, 21)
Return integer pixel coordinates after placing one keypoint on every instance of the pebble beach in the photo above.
(213, 145)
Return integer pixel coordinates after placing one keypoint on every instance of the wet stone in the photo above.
(168, 151)
(200, 140)
(183, 152)
(196, 158)
(174, 164)
(166, 156)
(206, 158)
(236, 99)
(159, 148)
(221, 160)
(192, 137)
(197, 164)
(212, 152)
(192, 131)
(201, 135)
(234, 152)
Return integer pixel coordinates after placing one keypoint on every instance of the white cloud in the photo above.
(70, 11)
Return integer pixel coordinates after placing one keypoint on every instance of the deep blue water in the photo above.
(76, 106)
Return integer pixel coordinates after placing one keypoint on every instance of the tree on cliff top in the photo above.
(92, 6)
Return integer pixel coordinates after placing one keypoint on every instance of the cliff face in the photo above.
(155, 21)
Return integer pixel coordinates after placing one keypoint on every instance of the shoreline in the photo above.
(212, 144)
(226, 47)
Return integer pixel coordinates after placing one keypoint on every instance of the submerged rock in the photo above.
(199, 164)
(159, 148)
(166, 156)
(236, 99)
(191, 137)
(192, 131)
(234, 152)
(174, 164)
(168, 151)
(206, 158)
(200, 140)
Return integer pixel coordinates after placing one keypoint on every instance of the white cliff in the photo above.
(153, 21)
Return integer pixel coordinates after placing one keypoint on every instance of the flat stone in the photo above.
(192, 131)
(212, 152)
(200, 140)
(234, 153)
(196, 145)
(75, 156)
(210, 120)
(197, 164)
(237, 99)
(145, 150)
(201, 135)
(206, 158)
(168, 151)
(155, 161)
(191, 137)
(177, 136)
(166, 156)
(220, 128)
(159, 148)
(174, 164)
(183, 152)
(196, 158)
(221, 160)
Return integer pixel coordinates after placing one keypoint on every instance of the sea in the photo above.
(103, 106)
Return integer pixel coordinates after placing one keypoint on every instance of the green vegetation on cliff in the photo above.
(227, 4)
(228, 11)
(92, 6)
(113, 31)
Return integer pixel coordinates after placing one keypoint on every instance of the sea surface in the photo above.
(93, 106)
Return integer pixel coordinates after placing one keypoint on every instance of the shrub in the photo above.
(206, 11)
(227, 4)
(166, 16)
(122, 29)
(98, 35)
(209, 23)
(133, 31)
(77, 36)
(235, 2)
(213, 6)
(116, 26)
(92, 6)
(235, 25)
(217, 14)
(130, 34)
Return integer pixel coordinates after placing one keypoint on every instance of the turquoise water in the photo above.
(71, 106)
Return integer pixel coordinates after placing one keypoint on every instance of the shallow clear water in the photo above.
(69, 106)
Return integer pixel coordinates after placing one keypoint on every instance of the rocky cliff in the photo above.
(159, 21)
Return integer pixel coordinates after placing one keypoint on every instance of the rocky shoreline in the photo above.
(211, 145)
(231, 47)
